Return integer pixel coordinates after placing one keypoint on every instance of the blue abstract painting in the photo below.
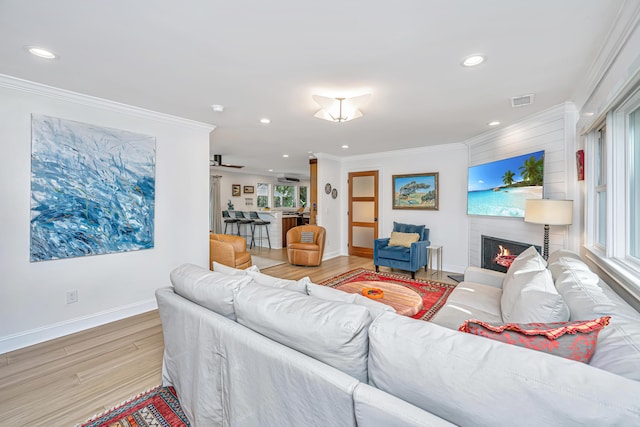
(92, 189)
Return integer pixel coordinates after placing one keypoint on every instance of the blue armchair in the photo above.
(400, 257)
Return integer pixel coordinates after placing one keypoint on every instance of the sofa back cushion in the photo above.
(325, 292)
(528, 292)
(470, 380)
(230, 271)
(332, 332)
(209, 289)
(277, 282)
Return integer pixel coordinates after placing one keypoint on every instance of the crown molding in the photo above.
(626, 22)
(27, 86)
(557, 111)
(403, 153)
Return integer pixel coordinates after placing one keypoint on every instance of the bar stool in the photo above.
(228, 220)
(257, 221)
(243, 220)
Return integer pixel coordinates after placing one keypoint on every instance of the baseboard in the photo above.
(329, 255)
(57, 330)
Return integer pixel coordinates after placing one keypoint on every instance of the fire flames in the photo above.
(504, 257)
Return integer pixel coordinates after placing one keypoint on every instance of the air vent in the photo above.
(522, 100)
(288, 179)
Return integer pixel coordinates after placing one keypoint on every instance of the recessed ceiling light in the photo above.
(269, 170)
(494, 123)
(42, 53)
(345, 146)
(265, 121)
(473, 60)
(218, 108)
(285, 155)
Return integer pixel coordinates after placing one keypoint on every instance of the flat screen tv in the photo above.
(500, 188)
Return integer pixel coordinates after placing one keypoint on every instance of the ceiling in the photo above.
(266, 59)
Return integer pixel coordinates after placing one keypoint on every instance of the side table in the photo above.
(437, 249)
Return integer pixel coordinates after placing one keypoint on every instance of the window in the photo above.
(601, 188)
(284, 196)
(634, 184)
(613, 196)
(303, 200)
(263, 195)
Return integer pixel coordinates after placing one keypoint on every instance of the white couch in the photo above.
(251, 350)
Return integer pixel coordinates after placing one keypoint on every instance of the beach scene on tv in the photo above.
(501, 188)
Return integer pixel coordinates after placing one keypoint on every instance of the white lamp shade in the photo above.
(549, 212)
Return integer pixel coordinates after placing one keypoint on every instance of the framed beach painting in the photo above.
(500, 188)
(92, 189)
(416, 191)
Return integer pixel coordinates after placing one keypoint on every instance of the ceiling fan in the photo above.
(216, 160)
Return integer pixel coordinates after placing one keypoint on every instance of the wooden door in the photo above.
(363, 212)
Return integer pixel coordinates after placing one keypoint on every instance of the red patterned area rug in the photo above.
(434, 294)
(157, 407)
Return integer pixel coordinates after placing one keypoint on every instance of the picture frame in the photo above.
(235, 190)
(418, 191)
(248, 189)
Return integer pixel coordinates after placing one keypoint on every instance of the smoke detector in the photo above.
(522, 100)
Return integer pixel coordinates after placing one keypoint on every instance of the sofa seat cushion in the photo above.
(470, 301)
(303, 246)
(473, 381)
(399, 253)
(209, 289)
(332, 332)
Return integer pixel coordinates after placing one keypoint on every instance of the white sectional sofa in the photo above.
(245, 349)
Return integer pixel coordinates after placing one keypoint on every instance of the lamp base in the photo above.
(545, 251)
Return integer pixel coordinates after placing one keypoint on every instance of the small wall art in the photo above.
(416, 191)
(92, 189)
(248, 189)
(580, 164)
(235, 190)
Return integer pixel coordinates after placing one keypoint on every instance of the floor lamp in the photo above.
(548, 212)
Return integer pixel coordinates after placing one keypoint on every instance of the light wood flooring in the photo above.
(64, 381)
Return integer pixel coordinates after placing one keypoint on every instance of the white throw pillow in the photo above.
(276, 282)
(209, 289)
(528, 292)
(225, 269)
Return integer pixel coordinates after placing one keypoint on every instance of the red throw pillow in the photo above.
(571, 340)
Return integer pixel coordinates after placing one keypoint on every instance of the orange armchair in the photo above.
(305, 249)
(229, 250)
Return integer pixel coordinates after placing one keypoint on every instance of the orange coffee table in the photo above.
(404, 300)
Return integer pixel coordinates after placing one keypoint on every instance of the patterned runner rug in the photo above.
(157, 407)
(434, 294)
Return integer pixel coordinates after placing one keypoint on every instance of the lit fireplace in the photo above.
(498, 254)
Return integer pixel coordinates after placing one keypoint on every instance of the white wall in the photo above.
(447, 225)
(33, 305)
(332, 212)
(553, 131)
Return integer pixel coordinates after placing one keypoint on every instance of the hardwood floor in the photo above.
(67, 380)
